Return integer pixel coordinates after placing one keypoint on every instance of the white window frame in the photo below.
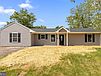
(41, 38)
(54, 38)
(91, 38)
(43, 35)
(12, 38)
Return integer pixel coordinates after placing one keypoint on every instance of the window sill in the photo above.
(15, 42)
(89, 42)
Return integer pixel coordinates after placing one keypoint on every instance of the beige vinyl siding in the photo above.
(36, 41)
(79, 39)
(25, 36)
(62, 30)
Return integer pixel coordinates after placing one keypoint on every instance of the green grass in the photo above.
(12, 72)
(85, 64)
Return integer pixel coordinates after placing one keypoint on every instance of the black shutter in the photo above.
(85, 37)
(39, 36)
(19, 37)
(46, 36)
(10, 37)
(93, 37)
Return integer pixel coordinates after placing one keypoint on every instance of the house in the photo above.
(16, 34)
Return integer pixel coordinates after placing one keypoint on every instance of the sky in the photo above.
(50, 13)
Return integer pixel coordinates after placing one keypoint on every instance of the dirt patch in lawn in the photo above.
(43, 55)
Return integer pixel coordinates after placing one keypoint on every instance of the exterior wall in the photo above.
(79, 39)
(25, 36)
(28, 39)
(62, 30)
(36, 41)
(32, 39)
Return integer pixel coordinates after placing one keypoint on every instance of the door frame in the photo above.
(63, 39)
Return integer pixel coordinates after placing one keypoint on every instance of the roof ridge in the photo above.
(43, 28)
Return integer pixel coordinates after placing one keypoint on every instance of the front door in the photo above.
(61, 39)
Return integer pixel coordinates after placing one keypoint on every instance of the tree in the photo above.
(57, 27)
(23, 17)
(72, 1)
(87, 14)
(42, 27)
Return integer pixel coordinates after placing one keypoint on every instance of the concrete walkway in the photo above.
(7, 50)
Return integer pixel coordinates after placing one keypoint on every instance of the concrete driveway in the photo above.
(7, 50)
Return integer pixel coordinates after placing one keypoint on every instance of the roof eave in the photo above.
(84, 32)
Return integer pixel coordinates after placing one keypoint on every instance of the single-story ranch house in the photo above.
(16, 34)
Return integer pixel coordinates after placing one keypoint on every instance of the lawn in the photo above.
(54, 61)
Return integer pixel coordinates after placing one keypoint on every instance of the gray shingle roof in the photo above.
(45, 30)
(54, 29)
(6, 26)
(71, 30)
(84, 30)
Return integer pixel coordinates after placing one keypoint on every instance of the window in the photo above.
(89, 37)
(42, 36)
(52, 38)
(15, 37)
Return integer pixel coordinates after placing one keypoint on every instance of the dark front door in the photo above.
(61, 39)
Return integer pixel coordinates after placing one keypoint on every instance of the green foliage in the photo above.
(87, 14)
(72, 1)
(42, 27)
(14, 72)
(10, 72)
(23, 17)
(57, 27)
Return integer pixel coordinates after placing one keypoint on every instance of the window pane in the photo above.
(42, 36)
(89, 38)
(14, 34)
(14, 39)
(52, 38)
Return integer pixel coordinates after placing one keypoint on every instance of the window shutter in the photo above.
(10, 37)
(93, 37)
(19, 37)
(85, 37)
(39, 36)
(46, 36)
